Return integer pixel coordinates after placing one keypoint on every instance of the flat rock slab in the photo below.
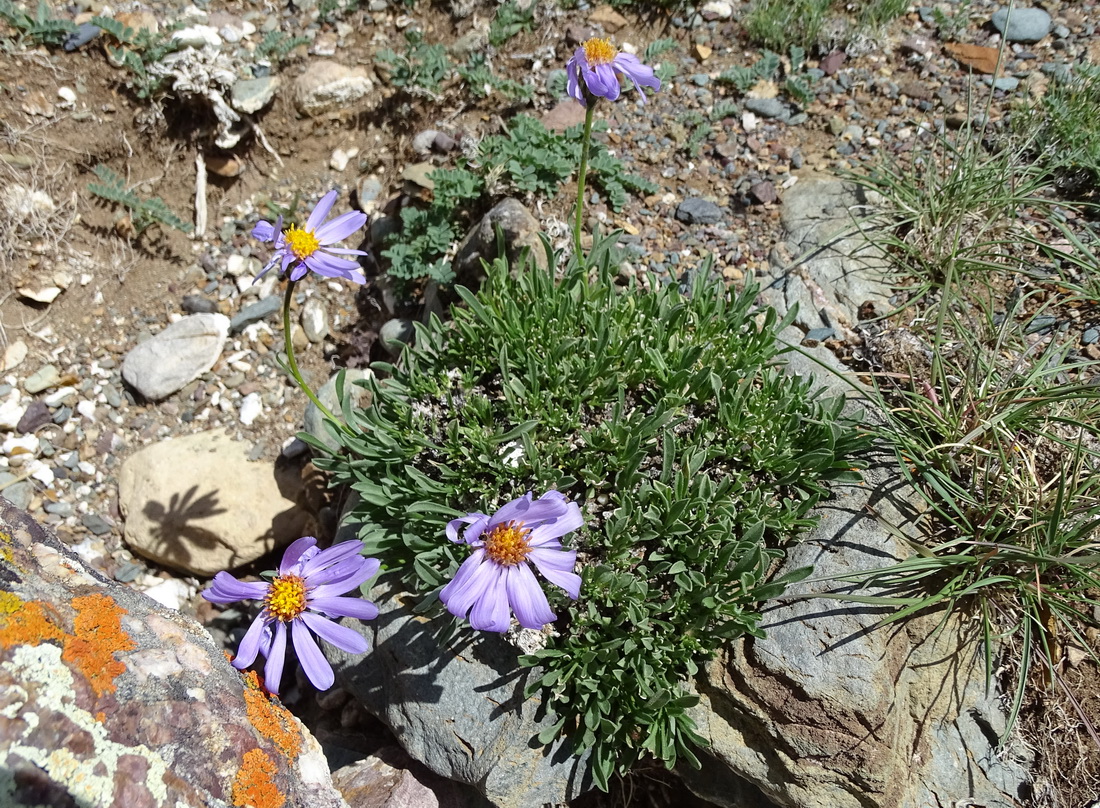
(110, 700)
(177, 355)
(197, 504)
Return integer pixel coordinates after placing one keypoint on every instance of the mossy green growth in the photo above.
(663, 413)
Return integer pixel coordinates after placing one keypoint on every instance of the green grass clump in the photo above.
(998, 428)
(1066, 122)
(663, 415)
(781, 24)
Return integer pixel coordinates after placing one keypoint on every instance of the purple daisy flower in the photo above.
(308, 249)
(302, 595)
(596, 67)
(496, 578)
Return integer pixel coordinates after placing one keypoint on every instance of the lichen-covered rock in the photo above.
(830, 710)
(109, 700)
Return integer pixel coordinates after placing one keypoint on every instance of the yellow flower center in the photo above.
(599, 52)
(301, 242)
(286, 597)
(507, 544)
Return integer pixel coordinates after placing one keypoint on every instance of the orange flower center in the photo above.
(507, 544)
(301, 242)
(599, 52)
(286, 597)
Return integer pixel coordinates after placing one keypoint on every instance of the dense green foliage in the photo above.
(661, 413)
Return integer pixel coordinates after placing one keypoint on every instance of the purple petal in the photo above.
(227, 589)
(330, 557)
(330, 266)
(516, 510)
(572, 75)
(264, 231)
(526, 598)
(293, 554)
(490, 612)
(602, 81)
(557, 566)
(566, 523)
(345, 607)
(478, 522)
(252, 643)
(299, 271)
(276, 655)
(342, 637)
(345, 251)
(348, 574)
(468, 585)
(321, 211)
(313, 661)
(341, 227)
(266, 269)
(642, 75)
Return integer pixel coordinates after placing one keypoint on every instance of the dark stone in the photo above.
(255, 312)
(698, 211)
(197, 304)
(764, 192)
(36, 416)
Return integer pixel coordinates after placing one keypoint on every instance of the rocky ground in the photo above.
(91, 390)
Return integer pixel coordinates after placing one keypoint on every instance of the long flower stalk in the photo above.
(582, 171)
(292, 363)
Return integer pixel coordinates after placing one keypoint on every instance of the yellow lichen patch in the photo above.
(254, 784)
(99, 635)
(28, 624)
(10, 603)
(5, 547)
(271, 720)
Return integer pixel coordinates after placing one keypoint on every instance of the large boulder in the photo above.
(109, 700)
(832, 709)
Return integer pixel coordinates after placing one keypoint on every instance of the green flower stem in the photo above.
(586, 139)
(292, 363)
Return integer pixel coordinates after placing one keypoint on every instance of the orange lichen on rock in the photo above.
(99, 635)
(254, 784)
(271, 719)
(26, 623)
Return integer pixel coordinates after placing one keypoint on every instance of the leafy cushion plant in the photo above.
(664, 415)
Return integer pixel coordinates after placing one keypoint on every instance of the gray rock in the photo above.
(460, 712)
(249, 96)
(316, 423)
(694, 210)
(314, 319)
(520, 229)
(1024, 24)
(423, 142)
(254, 312)
(396, 334)
(36, 416)
(368, 190)
(1006, 83)
(831, 268)
(18, 493)
(177, 355)
(1090, 336)
(830, 710)
(142, 710)
(327, 85)
(767, 107)
(44, 378)
(198, 505)
(197, 304)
